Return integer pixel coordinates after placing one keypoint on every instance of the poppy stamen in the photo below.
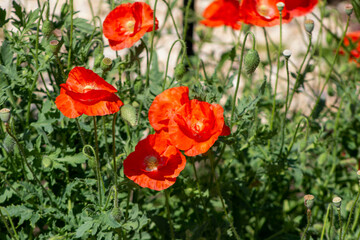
(151, 164)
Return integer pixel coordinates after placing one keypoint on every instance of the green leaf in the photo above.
(73, 160)
(3, 19)
(356, 6)
(6, 54)
(83, 228)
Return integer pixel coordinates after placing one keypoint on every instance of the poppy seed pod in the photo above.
(252, 61)
(337, 202)
(8, 143)
(46, 162)
(106, 64)
(128, 113)
(180, 71)
(287, 53)
(5, 115)
(55, 46)
(280, 6)
(349, 9)
(309, 201)
(309, 25)
(47, 28)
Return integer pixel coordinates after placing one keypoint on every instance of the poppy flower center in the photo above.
(130, 25)
(151, 163)
(198, 126)
(265, 11)
(89, 87)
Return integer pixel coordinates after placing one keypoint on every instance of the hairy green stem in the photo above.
(308, 213)
(97, 161)
(340, 221)
(239, 73)
(199, 189)
(114, 159)
(71, 33)
(331, 69)
(325, 222)
(11, 231)
(350, 215)
(283, 124)
(268, 53)
(168, 214)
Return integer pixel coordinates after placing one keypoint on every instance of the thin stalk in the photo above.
(199, 189)
(97, 160)
(340, 222)
(277, 78)
(211, 155)
(283, 124)
(295, 134)
(80, 131)
(27, 164)
(239, 73)
(299, 71)
(350, 215)
(71, 33)
(332, 66)
(13, 231)
(325, 222)
(308, 223)
(168, 58)
(268, 52)
(114, 160)
(151, 46)
(172, 18)
(103, 118)
(168, 214)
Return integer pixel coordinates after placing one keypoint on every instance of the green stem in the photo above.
(239, 73)
(325, 222)
(340, 222)
(331, 69)
(168, 214)
(168, 58)
(211, 155)
(151, 46)
(114, 159)
(277, 78)
(80, 131)
(199, 189)
(350, 215)
(172, 18)
(295, 134)
(299, 71)
(27, 164)
(283, 124)
(308, 223)
(71, 33)
(268, 53)
(103, 118)
(97, 160)
(13, 231)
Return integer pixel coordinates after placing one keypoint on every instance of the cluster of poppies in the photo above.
(263, 13)
(192, 126)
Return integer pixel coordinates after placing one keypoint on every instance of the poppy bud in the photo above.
(98, 53)
(92, 163)
(337, 202)
(138, 86)
(309, 201)
(349, 9)
(280, 6)
(5, 115)
(106, 64)
(47, 28)
(116, 214)
(252, 61)
(309, 25)
(287, 53)
(46, 162)
(55, 46)
(8, 143)
(180, 71)
(128, 113)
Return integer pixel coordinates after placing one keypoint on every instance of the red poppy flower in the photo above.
(86, 93)
(262, 13)
(165, 105)
(352, 39)
(155, 163)
(196, 126)
(300, 7)
(222, 12)
(127, 23)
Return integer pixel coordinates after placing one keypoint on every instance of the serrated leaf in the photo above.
(73, 160)
(3, 19)
(83, 228)
(6, 53)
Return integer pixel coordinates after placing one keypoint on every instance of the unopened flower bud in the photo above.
(98, 53)
(309, 25)
(116, 213)
(337, 202)
(252, 61)
(180, 71)
(280, 6)
(106, 64)
(349, 9)
(138, 85)
(128, 113)
(287, 53)
(309, 201)
(46, 162)
(55, 46)
(47, 28)
(5, 115)
(8, 143)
